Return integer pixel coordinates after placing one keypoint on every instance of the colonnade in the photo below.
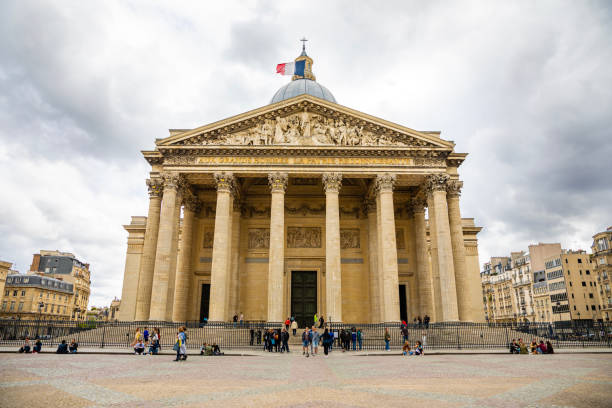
(441, 273)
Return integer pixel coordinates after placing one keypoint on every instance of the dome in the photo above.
(300, 87)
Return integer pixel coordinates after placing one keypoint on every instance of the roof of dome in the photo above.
(300, 87)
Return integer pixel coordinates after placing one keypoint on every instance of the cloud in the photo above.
(524, 87)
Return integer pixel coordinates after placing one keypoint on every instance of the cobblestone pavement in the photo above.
(280, 380)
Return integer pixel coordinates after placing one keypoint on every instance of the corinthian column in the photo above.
(387, 247)
(234, 297)
(220, 254)
(375, 311)
(333, 272)
(163, 254)
(422, 258)
(436, 185)
(183, 271)
(147, 262)
(276, 261)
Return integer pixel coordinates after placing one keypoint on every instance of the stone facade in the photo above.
(308, 198)
(601, 262)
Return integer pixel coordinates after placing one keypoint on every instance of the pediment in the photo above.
(304, 121)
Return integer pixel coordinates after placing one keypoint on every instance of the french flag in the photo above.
(291, 68)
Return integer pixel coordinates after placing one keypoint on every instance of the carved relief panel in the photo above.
(349, 238)
(310, 129)
(259, 238)
(303, 237)
(208, 238)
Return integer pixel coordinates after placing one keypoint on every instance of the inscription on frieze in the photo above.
(303, 237)
(349, 238)
(259, 238)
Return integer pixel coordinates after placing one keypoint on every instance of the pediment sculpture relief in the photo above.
(308, 129)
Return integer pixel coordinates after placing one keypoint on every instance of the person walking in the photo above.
(426, 321)
(235, 320)
(387, 340)
(287, 323)
(145, 335)
(285, 340)
(315, 341)
(327, 339)
(321, 322)
(316, 319)
(181, 344)
(252, 334)
(354, 338)
(305, 342)
(359, 338)
(405, 333)
(294, 327)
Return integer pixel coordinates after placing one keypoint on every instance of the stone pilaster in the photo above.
(184, 268)
(436, 187)
(276, 257)
(163, 254)
(375, 310)
(426, 305)
(387, 247)
(332, 182)
(147, 262)
(220, 254)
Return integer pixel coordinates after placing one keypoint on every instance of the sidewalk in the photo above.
(364, 353)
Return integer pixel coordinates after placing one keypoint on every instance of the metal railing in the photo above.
(250, 335)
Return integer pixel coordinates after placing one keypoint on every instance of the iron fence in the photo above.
(250, 334)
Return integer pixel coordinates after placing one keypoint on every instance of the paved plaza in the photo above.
(340, 380)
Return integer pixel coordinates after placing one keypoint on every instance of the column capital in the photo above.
(155, 186)
(385, 182)
(369, 206)
(171, 180)
(332, 182)
(193, 204)
(436, 182)
(419, 203)
(278, 182)
(453, 188)
(224, 182)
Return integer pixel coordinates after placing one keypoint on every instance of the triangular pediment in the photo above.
(304, 121)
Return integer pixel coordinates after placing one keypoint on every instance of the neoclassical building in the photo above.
(302, 206)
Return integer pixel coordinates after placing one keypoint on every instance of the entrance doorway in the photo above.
(304, 297)
(402, 303)
(204, 302)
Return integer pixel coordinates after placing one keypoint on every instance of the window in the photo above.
(572, 295)
(20, 308)
(602, 244)
(40, 295)
(580, 272)
(574, 307)
(46, 306)
(7, 292)
(52, 308)
(579, 260)
(587, 308)
(48, 295)
(593, 307)
(590, 295)
(568, 272)
(12, 306)
(54, 296)
(14, 293)
(588, 272)
(571, 284)
(23, 293)
(583, 283)
(590, 283)
(565, 260)
(4, 305)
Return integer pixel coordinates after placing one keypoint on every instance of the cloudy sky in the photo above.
(524, 87)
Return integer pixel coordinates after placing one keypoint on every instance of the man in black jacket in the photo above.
(285, 341)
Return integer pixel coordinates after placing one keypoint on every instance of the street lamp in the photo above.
(40, 308)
